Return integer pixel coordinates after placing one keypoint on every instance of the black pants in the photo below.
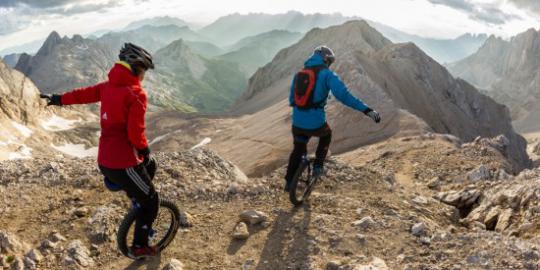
(137, 183)
(301, 139)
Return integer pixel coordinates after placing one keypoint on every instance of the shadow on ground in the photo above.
(146, 264)
(287, 245)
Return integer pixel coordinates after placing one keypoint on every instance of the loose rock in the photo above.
(240, 231)
(418, 229)
(364, 223)
(77, 254)
(479, 174)
(174, 264)
(253, 217)
(34, 255)
(10, 243)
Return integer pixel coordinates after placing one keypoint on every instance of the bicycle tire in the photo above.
(129, 221)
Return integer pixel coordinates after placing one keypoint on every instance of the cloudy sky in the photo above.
(28, 20)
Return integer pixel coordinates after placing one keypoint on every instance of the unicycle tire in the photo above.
(165, 237)
(298, 194)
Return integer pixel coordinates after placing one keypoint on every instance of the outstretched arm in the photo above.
(343, 94)
(85, 95)
(340, 91)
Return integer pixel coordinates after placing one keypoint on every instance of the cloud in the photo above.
(15, 19)
(19, 14)
(488, 13)
(66, 7)
(531, 5)
(43, 4)
(84, 8)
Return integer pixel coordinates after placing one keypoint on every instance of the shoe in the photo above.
(142, 252)
(318, 171)
(287, 186)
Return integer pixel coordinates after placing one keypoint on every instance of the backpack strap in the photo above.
(321, 103)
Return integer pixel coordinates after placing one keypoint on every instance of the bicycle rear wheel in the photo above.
(301, 184)
(164, 228)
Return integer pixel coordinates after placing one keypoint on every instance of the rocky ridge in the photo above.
(361, 215)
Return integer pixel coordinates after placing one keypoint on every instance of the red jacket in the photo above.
(123, 105)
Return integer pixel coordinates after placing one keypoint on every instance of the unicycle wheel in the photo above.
(164, 228)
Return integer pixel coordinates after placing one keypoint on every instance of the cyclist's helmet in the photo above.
(327, 54)
(136, 56)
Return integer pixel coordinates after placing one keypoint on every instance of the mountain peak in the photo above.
(53, 36)
(177, 44)
(178, 49)
(531, 33)
(52, 40)
(492, 39)
(357, 32)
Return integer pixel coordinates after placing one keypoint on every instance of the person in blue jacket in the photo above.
(307, 123)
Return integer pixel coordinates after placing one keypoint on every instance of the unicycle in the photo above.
(164, 228)
(169, 219)
(303, 182)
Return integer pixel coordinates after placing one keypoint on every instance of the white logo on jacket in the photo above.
(105, 117)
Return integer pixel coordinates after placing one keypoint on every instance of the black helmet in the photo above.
(327, 54)
(136, 56)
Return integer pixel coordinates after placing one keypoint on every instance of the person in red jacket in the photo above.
(124, 156)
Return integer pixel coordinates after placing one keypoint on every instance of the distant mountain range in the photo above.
(182, 80)
(156, 21)
(509, 71)
(188, 82)
(442, 50)
(65, 63)
(11, 59)
(256, 40)
(220, 34)
(230, 29)
(29, 48)
(150, 37)
(255, 51)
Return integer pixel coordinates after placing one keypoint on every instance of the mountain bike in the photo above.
(169, 219)
(303, 182)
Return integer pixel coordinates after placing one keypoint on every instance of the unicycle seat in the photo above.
(111, 185)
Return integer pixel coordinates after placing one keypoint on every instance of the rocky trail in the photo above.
(376, 210)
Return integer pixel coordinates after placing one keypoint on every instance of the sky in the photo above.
(23, 21)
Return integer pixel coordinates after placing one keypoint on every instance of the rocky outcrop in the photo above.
(28, 127)
(510, 207)
(509, 71)
(536, 149)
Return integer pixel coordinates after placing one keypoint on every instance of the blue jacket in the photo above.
(327, 81)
